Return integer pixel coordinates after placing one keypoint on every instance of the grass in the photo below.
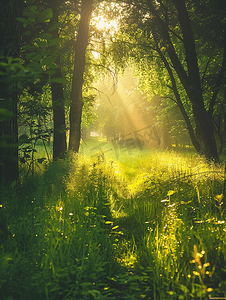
(147, 225)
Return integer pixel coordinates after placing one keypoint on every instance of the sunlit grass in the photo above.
(149, 225)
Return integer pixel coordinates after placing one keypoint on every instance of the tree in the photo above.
(59, 43)
(59, 130)
(10, 37)
(77, 81)
(32, 75)
(50, 43)
(42, 45)
(172, 32)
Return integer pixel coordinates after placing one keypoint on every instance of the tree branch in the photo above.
(204, 73)
(93, 88)
(218, 82)
(179, 102)
(166, 97)
(195, 90)
(170, 49)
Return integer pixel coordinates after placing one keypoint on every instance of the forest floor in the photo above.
(115, 224)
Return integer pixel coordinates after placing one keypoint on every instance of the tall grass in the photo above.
(149, 225)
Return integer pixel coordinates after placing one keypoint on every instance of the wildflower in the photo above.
(219, 198)
(196, 273)
(197, 261)
(59, 208)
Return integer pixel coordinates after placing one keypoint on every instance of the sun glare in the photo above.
(105, 23)
(101, 23)
(108, 28)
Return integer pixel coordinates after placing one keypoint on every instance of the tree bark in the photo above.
(204, 123)
(179, 102)
(77, 80)
(10, 37)
(59, 127)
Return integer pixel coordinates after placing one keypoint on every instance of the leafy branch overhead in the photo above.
(172, 39)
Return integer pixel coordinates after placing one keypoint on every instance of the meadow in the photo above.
(103, 225)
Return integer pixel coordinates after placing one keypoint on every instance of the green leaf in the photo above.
(201, 292)
(48, 61)
(34, 67)
(29, 55)
(3, 64)
(45, 15)
(28, 32)
(33, 8)
(30, 48)
(51, 66)
(42, 43)
(23, 20)
(31, 19)
(54, 26)
(184, 289)
(37, 57)
(86, 284)
(46, 35)
(24, 139)
(94, 293)
(55, 41)
(50, 72)
(13, 184)
(18, 66)
(59, 80)
(30, 12)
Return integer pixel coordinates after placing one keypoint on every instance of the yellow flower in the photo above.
(196, 273)
(218, 198)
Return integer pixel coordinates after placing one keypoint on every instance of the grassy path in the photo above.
(149, 225)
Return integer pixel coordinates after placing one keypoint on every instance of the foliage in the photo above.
(35, 126)
(154, 39)
(14, 75)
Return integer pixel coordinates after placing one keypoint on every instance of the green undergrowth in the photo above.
(149, 225)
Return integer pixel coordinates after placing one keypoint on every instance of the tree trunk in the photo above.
(191, 132)
(10, 37)
(205, 133)
(205, 141)
(59, 133)
(204, 123)
(59, 127)
(77, 80)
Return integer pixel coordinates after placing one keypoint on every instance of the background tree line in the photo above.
(177, 50)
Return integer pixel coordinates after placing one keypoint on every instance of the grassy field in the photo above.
(107, 224)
